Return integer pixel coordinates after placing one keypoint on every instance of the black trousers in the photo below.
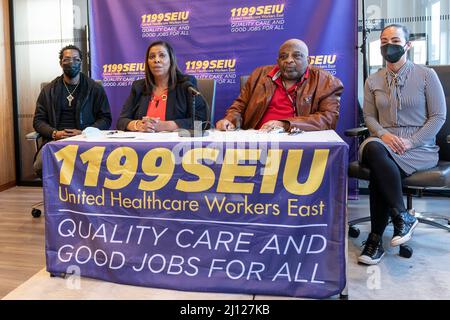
(385, 185)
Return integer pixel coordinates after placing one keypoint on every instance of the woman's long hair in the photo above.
(174, 71)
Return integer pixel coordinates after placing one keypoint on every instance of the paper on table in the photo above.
(120, 135)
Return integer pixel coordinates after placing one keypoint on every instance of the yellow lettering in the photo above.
(206, 176)
(319, 60)
(67, 155)
(305, 210)
(231, 169)
(126, 170)
(93, 157)
(185, 15)
(163, 172)
(316, 172)
(271, 170)
(279, 8)
(331, 59)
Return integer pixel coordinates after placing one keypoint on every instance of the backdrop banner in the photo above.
(222, 40)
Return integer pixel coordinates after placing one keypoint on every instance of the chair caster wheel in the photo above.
(353, 232)
(57, 275)
(405, 251)
(36, 213)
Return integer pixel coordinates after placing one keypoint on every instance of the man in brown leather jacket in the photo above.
(290, 95)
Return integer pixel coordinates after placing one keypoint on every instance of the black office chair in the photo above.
(414, 185)
(36, 138)
(207, 88)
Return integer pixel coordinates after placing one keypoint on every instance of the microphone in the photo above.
(197, 126)
(193, 91)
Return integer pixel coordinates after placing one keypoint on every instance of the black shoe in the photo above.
(373, 250)
(404, 224)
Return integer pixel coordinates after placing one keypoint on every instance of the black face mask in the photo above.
(71, 69)
(392, 52)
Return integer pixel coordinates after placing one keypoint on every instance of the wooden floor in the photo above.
(21, 237)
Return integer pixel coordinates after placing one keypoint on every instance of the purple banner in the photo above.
(222, 40)
(241, 217)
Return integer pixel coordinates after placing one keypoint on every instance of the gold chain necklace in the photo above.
(70, 97)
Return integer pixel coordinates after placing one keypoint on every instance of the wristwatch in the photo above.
(54, 134)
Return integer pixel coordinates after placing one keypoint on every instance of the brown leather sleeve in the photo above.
(325, 107)
(237, 109)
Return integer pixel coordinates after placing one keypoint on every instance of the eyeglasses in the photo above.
(67, 60)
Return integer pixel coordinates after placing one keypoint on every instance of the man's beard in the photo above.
(292, 75)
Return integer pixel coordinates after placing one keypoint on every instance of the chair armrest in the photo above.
(448, 139)
(357, 132)
(33, 135)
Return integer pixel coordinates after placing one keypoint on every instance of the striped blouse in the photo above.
(411, 105)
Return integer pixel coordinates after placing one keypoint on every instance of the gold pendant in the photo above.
(70, 98)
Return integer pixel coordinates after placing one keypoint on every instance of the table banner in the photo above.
(242, 217)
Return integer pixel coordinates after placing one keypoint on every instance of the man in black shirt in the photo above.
(69, 103)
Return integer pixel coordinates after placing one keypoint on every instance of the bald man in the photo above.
(289, 95)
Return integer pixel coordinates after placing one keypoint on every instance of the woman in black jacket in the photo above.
(162, 101)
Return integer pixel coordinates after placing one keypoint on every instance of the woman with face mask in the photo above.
(404, 109)
(162, 101)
